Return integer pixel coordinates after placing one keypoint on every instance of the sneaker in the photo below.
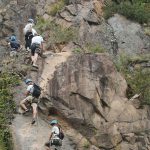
(27, 110)
(35, 66)
(33, 121)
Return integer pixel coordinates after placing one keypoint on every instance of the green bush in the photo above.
(56, 33)
(97, 48)
(138, 11)
(77, 50)
(7, 106)
(147, 31)
(138, 78)
(56, 7)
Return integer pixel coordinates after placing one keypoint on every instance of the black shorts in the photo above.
(35, 48)
(28, 39)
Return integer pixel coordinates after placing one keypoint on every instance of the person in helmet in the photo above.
(55, 142)
(14, 43)
(36, 48)
(29, 32)
(31, 99)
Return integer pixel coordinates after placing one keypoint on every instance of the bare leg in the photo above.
(35, 58)
(34, 107)
(22, 104)
(32, 58)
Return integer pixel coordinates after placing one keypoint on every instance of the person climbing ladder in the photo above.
(32, 97)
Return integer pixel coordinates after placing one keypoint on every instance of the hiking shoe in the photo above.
(35, 66)
(27, 110)
(33, 121)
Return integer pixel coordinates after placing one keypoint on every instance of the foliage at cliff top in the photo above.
(137, 75)
(55, 33)
(7, 106)
(57, 7)
(136, 10)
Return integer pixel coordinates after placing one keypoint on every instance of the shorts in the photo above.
(51, 146)
(28, 39)
(55, 147)
(35, 48)
(31, 100)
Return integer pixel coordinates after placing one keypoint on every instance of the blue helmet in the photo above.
(53, 122)
(28, 80)
(30, 20)
(13, 38)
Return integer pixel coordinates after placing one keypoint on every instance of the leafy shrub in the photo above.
(137, 77)
(56, 7)
(42, 25)
(7, 107)
(97, 48)
(147, 31)
(56, 33)
(77, 50)
(138, 11)
(86, 145)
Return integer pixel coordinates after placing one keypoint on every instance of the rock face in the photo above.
(89, 93)
(13, 18)
(118, 35)
(87, 16)
(129, 35)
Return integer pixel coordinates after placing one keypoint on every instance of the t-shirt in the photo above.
(37, 39)
(28, 28)
(55, 131)
(30, 88)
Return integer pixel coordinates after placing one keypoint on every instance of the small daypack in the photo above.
(36, 91)
(61, 134)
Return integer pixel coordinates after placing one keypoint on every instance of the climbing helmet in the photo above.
(30, 20)
(28, 80)
(54, 121)
(13, 38)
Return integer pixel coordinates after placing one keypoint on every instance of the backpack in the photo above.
(61, 134)
(36, 91)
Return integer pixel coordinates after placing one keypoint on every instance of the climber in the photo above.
(36, 48)
(13, 44)
(32, 97)
(29, 32)
(55, 139)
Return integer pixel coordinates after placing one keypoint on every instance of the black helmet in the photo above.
(30, 20)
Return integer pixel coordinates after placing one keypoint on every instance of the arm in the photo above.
(50, 136)
(27, 93)
(42, 47)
